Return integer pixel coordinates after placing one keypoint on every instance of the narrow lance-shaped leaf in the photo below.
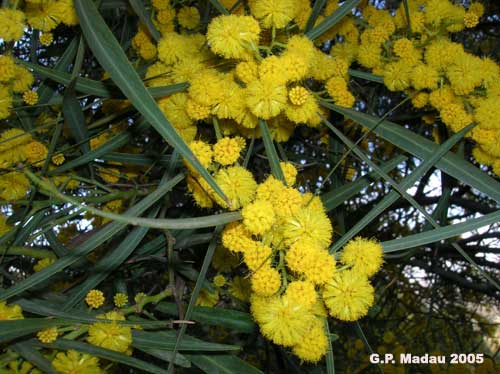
(75, 118)
(423, 148)
(110, 55)
(88, 246)
(332, 19)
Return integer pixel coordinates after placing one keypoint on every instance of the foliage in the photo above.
(248, 186)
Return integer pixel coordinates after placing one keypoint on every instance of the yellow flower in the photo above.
(7, 68)
(4, 227)
(10, 312)
(405, 49)
(305, 113)
(110, 335)
(13, 186)
(266, 98)
(274, 13)
(289, 172)
(306, 257)
(280, 320)
(48, 335)
(5, 102)
(238, 185)
(73, 362)
(465, 73)
(247, 71)
(258, 217)
(348, 295)
(488, 114)
(233, 36)
(298, 95)
(220, 280)
(338, 90)
(227, 150)
(420, 100)
(188, 17)
(201, 197)
(202, 151)
(35, 153)
(240, 288)
(364, 255)
(42, 264)
(120, 300)
(236, 237)
(314, 344)
(58, 159)
(95, 298)
(12, 21)
(23, 79)
(308, 224)
(471, 20)
(424, 76)
(286, 202)
(207, 298)
(46, 38)
(174, 47)
(397, 75)
(301, 292)
(197, 111)
(266, 281)
(109, 175)
(258, 256)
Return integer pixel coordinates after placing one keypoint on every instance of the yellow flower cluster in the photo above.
(10, 312)
(95, 299)
(14, 79)
(111, 335)
(434, 71)
(74, 362)
(283, 238)
(244, 68)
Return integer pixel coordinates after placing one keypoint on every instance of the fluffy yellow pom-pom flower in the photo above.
(188, 17)
(30, 97)
(42, 264)
(314, 343)
(348, 296)
(48, 335)
(289, 172)
(238, 185)
(266, 281)
(10, 312)
(364, 255)
(236, 237)
(110, 335)
(298, 95)
(73, 362)
(227, 150)
(274, 13)
(258, 217)
(266, 98)
(220, 280)
(308, 224)
(233, 36)
(95, 298)
(301, 292)
(257, 256)
(280, 320)
(120, 300)
(308, 258)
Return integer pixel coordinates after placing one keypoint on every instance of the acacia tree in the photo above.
(248, 186)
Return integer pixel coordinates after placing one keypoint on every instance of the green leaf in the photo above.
(65, 344)
(163, 355)
(74, 117)
(45, 92)
(365, 75)
(110, 55)
(392, 196)
(338, 196)
(100, 271)
(330, 362)
(97, 88)
(157, 223)
(12, 329)
(221, 364)
(137, 159)
(423, 148)
(166, 340)
(106, 233)
(196, 291)
(362, 336)
(34, 357)
(218, 5)
(271, 153)
(332, 19)
(145, 17)
(316, 10)
(441, 233)
(231, 319)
